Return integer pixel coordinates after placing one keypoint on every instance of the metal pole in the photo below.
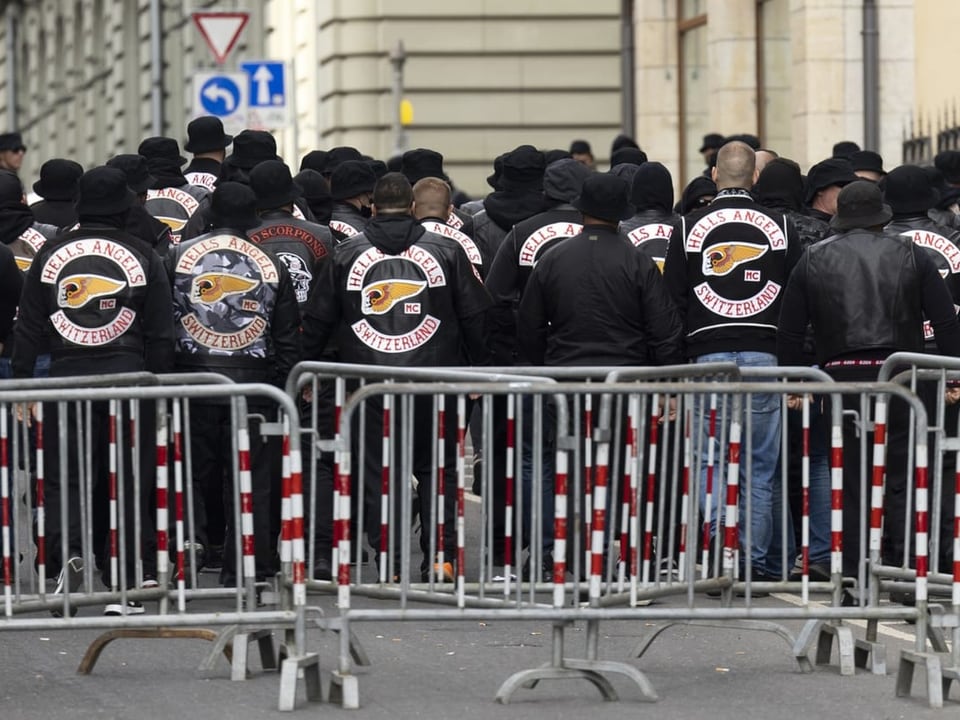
(156, 68)
(627, 79)
(398, 56)
(11, 50)
(871, 76)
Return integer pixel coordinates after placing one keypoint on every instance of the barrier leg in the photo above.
(290, 670)
(909, 659)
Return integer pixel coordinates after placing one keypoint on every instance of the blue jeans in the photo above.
(40, 370)
(548, 449)
(764, 482)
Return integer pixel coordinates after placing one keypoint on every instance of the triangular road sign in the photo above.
(221, 30)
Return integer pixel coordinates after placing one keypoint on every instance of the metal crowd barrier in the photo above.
(121, 446)
(627, 521)
(930, 377)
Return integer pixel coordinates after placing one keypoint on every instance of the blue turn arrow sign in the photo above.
(220, 96)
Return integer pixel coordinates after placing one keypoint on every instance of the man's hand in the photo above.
(953, 395)
(794, 402)
(26, 411)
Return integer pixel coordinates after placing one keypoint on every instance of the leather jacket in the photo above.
(299, 244)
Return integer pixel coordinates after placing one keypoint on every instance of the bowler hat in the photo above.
(634, 156)
(604, 196)
(948, 163)
(251, 147)
(421, 163)
(205, 134)
(314, 160)
(379, 167)
(103, 191)
(860, 205)
(832, 171)
(908, 190)
(622, 141)
(58, 179)
(867, 160)
(844, 149)
(580, 147)
(11, 141)
(351, 178)
(161, 147)
(233, 205)
(134, 167)
(711, 141)
(273, 185)
(551, 156)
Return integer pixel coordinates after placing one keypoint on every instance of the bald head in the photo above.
(431, 199)
(736, 166)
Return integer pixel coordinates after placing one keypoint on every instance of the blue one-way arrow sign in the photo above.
(267, 86)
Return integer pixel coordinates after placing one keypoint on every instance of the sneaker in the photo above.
(446, 569)
(819, 572)
(322, 569)
(133, 607)
(69, 581)
(198, 551)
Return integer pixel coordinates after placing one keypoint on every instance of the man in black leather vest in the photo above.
(866, 294)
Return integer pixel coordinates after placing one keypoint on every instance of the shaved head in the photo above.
(431, 198)
(736, 165)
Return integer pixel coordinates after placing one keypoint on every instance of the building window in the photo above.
(694, 86)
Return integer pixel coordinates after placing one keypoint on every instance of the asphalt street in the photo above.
(450, 669)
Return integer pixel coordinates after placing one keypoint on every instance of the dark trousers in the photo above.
(212, 435)
(370, 469)
(73, 451)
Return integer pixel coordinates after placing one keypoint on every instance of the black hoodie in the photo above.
(780, 187)
(652, 195)
(398, 295)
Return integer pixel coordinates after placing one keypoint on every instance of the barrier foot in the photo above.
(871, 656)
(290, 671)
(950, 675)
(92, 655)
(241, 648)
(909, 659)
(529, 678)
(345, 690)
(845, 647)
(357, 651)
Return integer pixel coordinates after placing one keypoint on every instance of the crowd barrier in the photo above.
(629, 503)
(104, 464)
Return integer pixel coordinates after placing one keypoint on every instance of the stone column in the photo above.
(732, 52)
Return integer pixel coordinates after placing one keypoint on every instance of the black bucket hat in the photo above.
(833, 171)
(273, 185)
(251, 147)
(604, 196)
(233, 205)
(860, 205)
(908, 190)
(103, 191)
(162, 148)
(420, 163)
(352, 178)
(867, 160)
(205, 134)
(11, 141)
(58, 179)
(711, 141)
(134, 167)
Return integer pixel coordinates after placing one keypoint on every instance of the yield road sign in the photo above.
(220, 30)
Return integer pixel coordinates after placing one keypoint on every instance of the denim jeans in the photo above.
(819, 477)
(764, 482)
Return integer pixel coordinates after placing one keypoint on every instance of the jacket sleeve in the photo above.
(473, 310)
(937, 304)
(532, 321)
(662, 323)
(32, 323)
(321, 312)
(11, 286)
(794, 317)
(675, 270)
(158, 333)
(794, 246)
(502, 284)
(285, 330)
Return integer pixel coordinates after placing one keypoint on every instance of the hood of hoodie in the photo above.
(652, 188)
(698, 188)
(392, 234)
(167, 172)
(508, 207)
(564, 178)
(779, 186)
(15, 217)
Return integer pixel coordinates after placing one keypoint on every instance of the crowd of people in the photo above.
(231, 263)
